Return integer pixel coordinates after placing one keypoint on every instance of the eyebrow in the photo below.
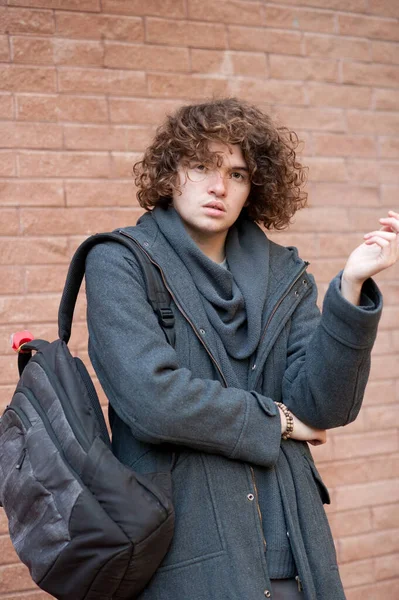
(239, 168)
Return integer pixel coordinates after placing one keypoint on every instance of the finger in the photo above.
(391, 222)
(381, 242)
(393, 214)
(388, 235)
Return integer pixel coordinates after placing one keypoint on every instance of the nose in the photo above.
(217, 184)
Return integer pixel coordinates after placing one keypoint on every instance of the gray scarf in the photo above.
(233, 298)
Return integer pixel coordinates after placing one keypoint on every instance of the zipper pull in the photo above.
(21, 459)
(299, 583)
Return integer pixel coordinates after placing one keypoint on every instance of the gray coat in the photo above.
(163, 398)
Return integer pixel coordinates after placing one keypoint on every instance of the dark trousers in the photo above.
(285, 589)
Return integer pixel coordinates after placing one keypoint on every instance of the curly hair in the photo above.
(277, 179)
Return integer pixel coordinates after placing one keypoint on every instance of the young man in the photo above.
(256, 373)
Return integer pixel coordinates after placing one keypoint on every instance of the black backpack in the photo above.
(86, 526)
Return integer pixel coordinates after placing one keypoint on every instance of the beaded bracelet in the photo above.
(289, 428)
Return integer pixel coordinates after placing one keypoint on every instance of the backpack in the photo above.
(87, 526)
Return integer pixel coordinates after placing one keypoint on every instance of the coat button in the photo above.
(251, 497)
(267, 593)
(254, 367)
(146, 244)
(202, 331)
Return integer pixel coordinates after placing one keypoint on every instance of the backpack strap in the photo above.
(157, 294)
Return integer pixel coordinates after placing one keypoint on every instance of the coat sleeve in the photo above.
(328, 359)
(139, 371)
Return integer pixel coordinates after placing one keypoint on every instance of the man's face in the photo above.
(210, 200)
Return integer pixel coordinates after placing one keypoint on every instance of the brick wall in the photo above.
(83, 84)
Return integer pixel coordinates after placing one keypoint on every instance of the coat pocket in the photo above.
(322, 488)
(198, 535)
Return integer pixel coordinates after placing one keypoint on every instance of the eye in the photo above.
(199, 168)
(237, 176)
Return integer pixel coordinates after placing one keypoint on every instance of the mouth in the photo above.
(216, 205)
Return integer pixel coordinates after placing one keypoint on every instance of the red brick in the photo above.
(388, 590)
(305, 243)
(226, 11)
(34, 595)
(40, 308)
(323, 119)
(98, 27)
(384, 342)
(350, 522)
(336, 47)
(161, 8)
(385, 52)
(321, 219)
(104, 193)
(15, 578)
(381, 417)
(32, 50)
(122, 164)
(389, 319)
(3, 521)
(74, 221)
(391, 296)
(366, 171)
(389, 172)
(103, 137)
(97, 81)
(368, 545)
(344, 96)
(50, 250)
(146, 57)
(8, 366)
(325, 269)
(344, 5)
(9, 221)
(45, 278)
(389, 196)
(344, 145)
(140, 111)
(81, 5)
(78, 53)
(386, 100)
(4, 49)
(63, 164)
(185, 33)
(367, 494)
(15, 78)
(368, 27)
(357, 573)
(268, 90)
(66, 107)
(6, 106)
(11, 281)
(358, 471)
(376, 390)
(343, 194)
(331, 245)
(305, 20)
(384, 8)
(307, 69)
(386, 567)
(325, 169)
(373, 75)
(182, 86)
(366, 444)
(251, 64)
(264, 40)
(22, 20)
(386, 516)
(7, 164)
(25, 193)
(389, 148)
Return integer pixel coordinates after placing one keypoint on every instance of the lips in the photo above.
(216, 204)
